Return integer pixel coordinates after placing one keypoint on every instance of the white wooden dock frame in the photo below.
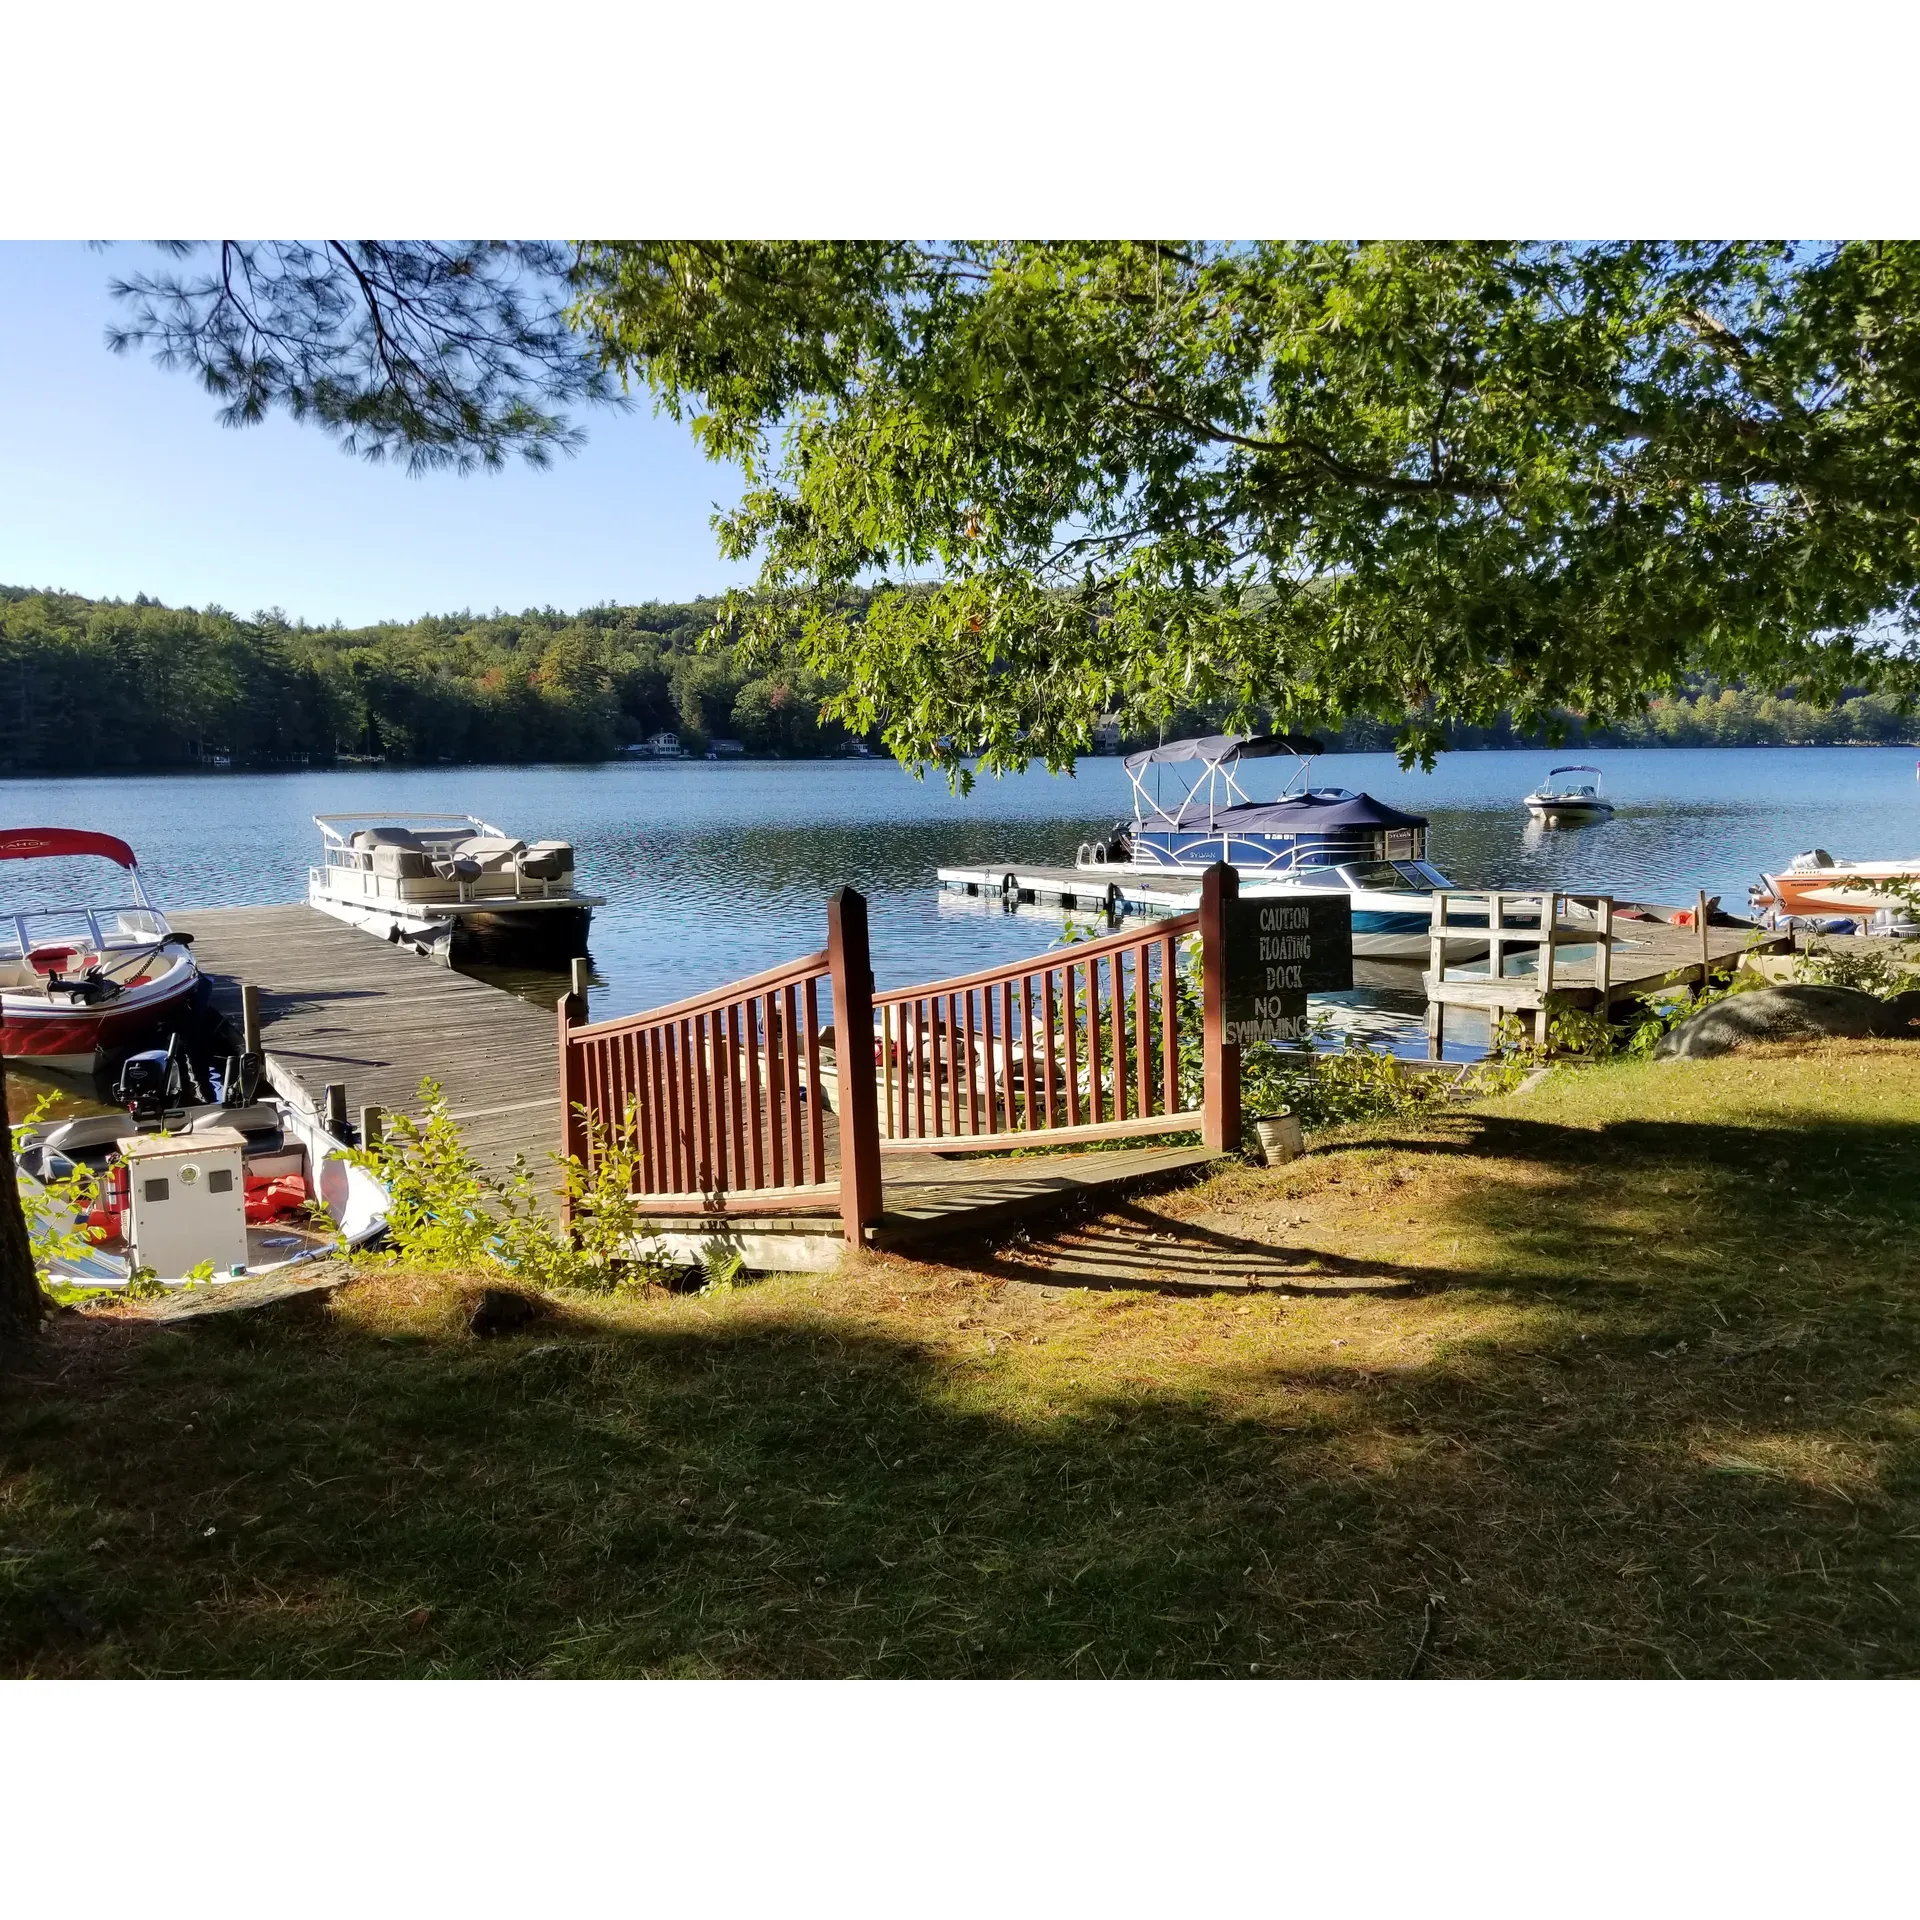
(1538, 929)
(1632, 957)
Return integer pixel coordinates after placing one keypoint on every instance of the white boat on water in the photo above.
(1306, 840)
(449, 885)
(1570, 801)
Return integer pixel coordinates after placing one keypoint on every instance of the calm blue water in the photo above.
(714, 871)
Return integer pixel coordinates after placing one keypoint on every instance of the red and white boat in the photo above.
(78, 978)
(1819, 887)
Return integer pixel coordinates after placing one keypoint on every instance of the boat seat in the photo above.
(547, 860)
(54, 960)
(391, 851)
(488, 853)
(399, 863)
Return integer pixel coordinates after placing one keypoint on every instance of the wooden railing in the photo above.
(1082, 1043)
(1544, 925)
(742, 1102)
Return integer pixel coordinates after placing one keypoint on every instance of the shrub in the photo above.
(444, 1210)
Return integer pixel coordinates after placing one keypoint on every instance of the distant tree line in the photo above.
(99, 685)
(105, 684)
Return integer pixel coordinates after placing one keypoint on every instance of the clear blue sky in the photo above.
(116, 479)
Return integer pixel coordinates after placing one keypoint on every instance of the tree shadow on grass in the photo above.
(1660, 1420)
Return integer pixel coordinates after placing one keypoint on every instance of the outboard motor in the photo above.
(142, 1085)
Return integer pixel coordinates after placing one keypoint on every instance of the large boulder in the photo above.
(1778, 1013)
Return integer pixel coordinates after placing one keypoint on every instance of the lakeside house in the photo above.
(726, 749)
(664, 745)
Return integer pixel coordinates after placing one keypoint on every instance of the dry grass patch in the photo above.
(1622, 1371)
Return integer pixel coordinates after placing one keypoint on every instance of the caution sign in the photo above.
(1278, 952)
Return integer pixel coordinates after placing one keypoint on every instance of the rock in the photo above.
(492, 1310)
(1775, 1013)
(1899, 1017)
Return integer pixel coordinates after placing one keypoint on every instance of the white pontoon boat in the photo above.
(450, 884)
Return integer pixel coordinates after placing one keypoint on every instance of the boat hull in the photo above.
(1827, 892)
(1555, 812)
(70, 1038)
(525, 930)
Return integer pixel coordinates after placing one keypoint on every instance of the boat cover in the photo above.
(47, 843)
(1216, 748)
(1303, 813)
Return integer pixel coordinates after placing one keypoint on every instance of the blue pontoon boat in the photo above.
(1315, 839)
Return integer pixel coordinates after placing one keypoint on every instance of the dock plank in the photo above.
(337, 1004)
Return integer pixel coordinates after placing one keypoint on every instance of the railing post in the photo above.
(572, 1012)
(1220, 1088)
(850, 966)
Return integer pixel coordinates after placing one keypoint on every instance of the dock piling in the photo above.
(334, 1096)
(249, 1017)
(577, 980)
(372, 1126)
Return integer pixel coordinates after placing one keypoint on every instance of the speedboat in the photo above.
(1816, 886)
(1308, 839)
(233, 1187)
(80, 978)
(450, 884)
(1564, 802)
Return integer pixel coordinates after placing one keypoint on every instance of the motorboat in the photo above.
(1570, 801)
(1818, 887)
(232, 1188)
(450, 885)
(82, 980)
(1307, 839)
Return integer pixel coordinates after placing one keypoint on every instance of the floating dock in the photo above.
(1111, 890)
(338, 1008)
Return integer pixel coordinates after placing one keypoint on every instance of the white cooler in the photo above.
(187, 1201)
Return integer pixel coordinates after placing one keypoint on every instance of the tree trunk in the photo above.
(20, 1300)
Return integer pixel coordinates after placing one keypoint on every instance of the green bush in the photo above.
(444, 1210)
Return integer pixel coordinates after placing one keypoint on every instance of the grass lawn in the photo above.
(1622, 1374)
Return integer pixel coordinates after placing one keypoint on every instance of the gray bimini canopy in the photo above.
(1219, 749)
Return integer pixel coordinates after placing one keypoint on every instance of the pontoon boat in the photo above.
(447, 884)
(1313, 839)
(79, 978)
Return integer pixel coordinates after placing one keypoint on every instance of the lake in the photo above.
(715, 870)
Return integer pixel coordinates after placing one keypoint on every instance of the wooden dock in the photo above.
(1585, 963)
(338, 1006)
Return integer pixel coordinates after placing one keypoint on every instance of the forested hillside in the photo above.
(104, 684)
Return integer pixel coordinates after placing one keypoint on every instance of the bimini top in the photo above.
(1218, 749)
(1319, 810)
(48, 843)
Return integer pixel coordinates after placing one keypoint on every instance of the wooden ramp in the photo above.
(338, 1005)
(932, 1198)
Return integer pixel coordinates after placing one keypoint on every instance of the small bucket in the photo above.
(1280, 1138)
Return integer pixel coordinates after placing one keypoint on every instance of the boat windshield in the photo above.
(1389, 876)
